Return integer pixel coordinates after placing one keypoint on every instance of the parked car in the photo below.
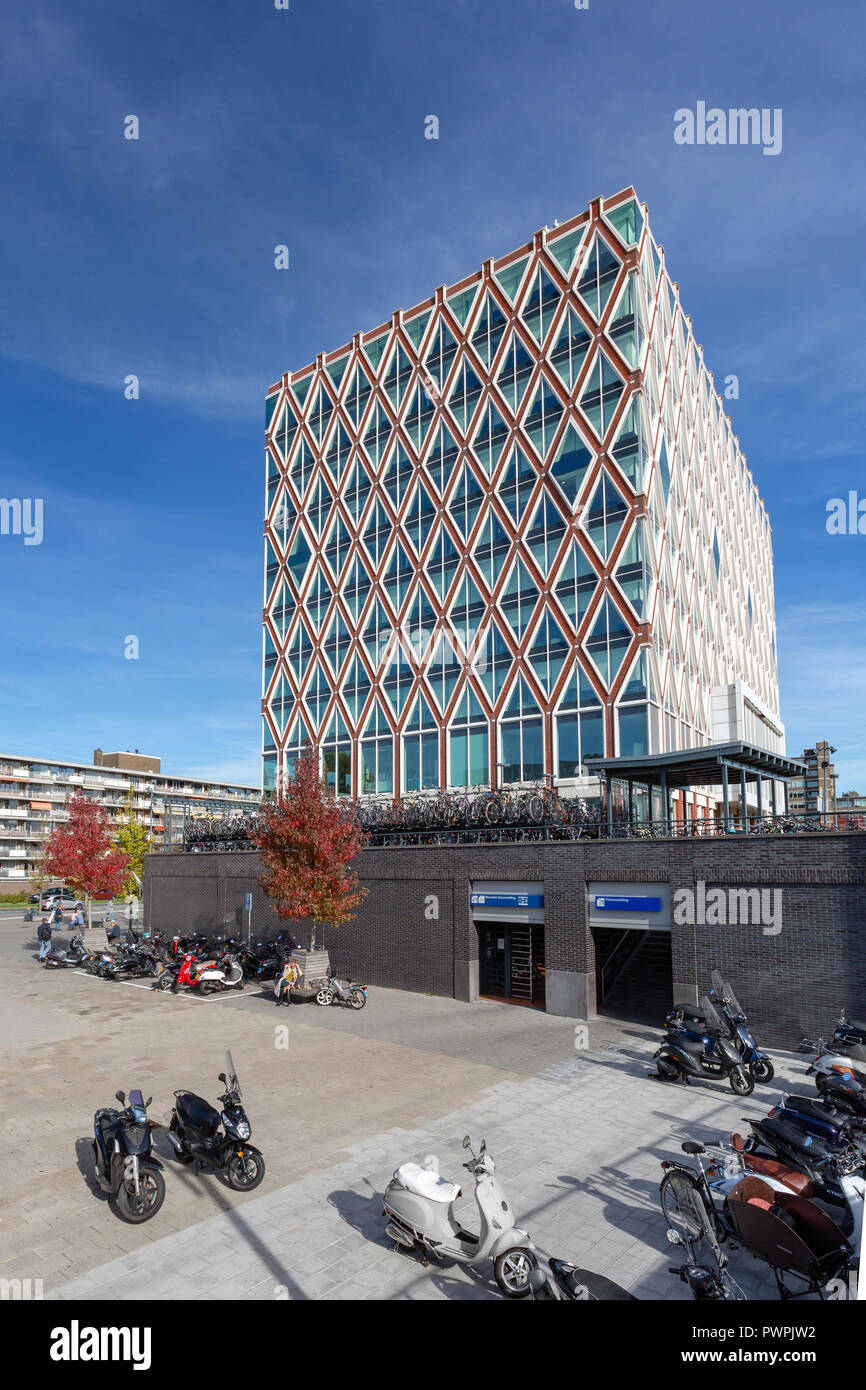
(52, 896)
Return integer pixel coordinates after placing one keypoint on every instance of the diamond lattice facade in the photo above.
(511, 529)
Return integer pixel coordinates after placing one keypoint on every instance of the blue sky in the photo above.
(306, 127)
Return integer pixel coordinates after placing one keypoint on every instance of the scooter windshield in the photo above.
(232, 1083)
(712, 1019)
(136, 1107)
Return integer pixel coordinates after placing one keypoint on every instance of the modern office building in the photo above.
(816, 789)
(34, 794)
(511, 529)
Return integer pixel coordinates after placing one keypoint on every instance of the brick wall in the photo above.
(415, 925)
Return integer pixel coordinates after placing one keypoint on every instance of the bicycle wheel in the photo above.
(681, 1199)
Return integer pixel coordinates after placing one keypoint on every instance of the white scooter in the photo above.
(420, 1204)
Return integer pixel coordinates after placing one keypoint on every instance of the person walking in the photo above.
(57, 915)
(43, 935)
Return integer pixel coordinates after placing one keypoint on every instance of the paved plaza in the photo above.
(578, 1136)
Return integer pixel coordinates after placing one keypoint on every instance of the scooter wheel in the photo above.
(762, 1071)
(246, 1171)
(741, 1083)
(324, 997)
(151, 1197)
(512, 1269)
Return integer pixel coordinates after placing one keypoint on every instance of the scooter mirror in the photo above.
(483, 1146)
(148, 1102)
(466, 1141)
(221, 1077)
(674, 1236)
(119, 1095)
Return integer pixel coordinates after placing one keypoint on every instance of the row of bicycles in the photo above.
(468, 815)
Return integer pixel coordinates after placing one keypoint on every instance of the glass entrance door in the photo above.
(511, 962)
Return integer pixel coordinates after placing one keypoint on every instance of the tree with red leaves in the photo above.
(306, 839)
(80, 852)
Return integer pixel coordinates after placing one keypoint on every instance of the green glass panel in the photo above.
(570, 349)
(541, 422)
(517, 600)
(337, 369)
(515, 373)
(298, 557)
(461, 303)
(466, 501)
(540, 305)
(576, 584)
(301, 389)
(518, 480)
(490, 438)
(571, 463)
(627, 221)
(511, 276)
(417, 327)
(489, 330)
(623, 328)
(270, 407)
(564, 248)
(629, 449)
(375, 349)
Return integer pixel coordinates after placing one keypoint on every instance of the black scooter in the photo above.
(124, 1162)
(690, 1020)
(712, 1055)
(818, 1157)
(567, 1283)
(64, 957)
(195, 1135)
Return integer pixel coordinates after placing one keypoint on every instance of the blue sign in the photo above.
(610, 904)
(506, 899)
(248, 902)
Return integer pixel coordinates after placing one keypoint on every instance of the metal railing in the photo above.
(507, 816)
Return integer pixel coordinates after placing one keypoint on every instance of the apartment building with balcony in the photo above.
(34, 794)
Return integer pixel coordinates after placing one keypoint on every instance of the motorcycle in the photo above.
(257, 965)
(195, 1135)
(332, 991)
(824, 1162)
(420, 1206)
(566, 1282)
(711, 1055)
(64, 957)
(203, 976)
(131, 962)
(828, 1062)
(124, 1162)
(692, 1021)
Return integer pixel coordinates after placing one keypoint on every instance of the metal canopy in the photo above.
(699, 767)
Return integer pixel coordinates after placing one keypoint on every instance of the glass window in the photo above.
(521, 737)
(579, 725)
(468, 745)
(633, 731)
(420, 749)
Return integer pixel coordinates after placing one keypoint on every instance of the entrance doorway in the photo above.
(511, 962)
(634, 974)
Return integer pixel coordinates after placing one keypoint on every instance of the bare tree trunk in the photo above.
(313, 937)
